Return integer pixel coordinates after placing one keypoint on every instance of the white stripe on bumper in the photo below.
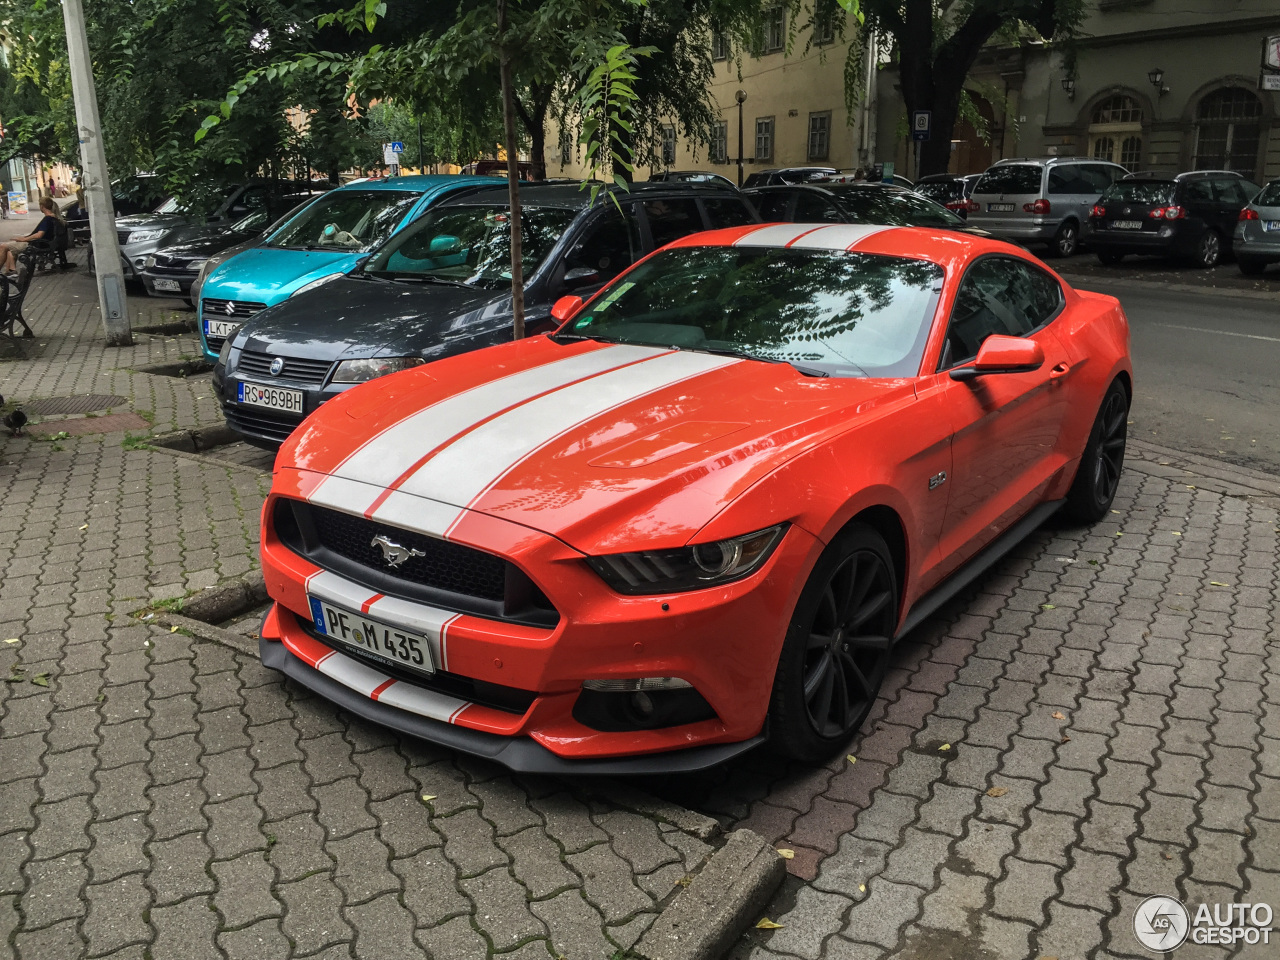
(365, 680)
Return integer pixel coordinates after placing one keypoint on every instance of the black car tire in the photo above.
(1110, 259)
(1098, 475)
(1251, 267)
(1208, 249)
(837, 647)
(1066, 241)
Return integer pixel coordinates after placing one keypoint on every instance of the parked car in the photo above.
(1257, 231)
(320, 244)
(443, 286)
(1191, 215)
(690, 176)
(698, 516)
(950, 190)
(855, 202)
(141, 234)
(785, 175)
(895, 179)
(140, 193)
(1045, 201)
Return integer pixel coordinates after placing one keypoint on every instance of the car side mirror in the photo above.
(581, 277)
(565, 307)
(1001, 354)
(443, 244)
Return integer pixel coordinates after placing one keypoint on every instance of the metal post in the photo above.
(97, 182)
(422, 163)
(741, 97)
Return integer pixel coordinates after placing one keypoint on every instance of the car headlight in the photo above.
(358, 371)
(225, 353)
(316, 283)
(142, 236)
(688, 568)
(197, 265)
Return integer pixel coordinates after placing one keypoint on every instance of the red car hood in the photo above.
(605, 447)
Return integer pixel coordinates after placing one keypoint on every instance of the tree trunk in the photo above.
(534, 119)
(513, 174)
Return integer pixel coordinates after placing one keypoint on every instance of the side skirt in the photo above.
(929, 604)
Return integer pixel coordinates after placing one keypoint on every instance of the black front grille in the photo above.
(297, 370)
(438, 572)
(507, 699)
(213, 308)
(170, 265)
(270, 425)
(122, 236)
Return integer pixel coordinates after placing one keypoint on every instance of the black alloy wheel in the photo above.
(1065, 240)
(1098, 476)
(837, 648)
(1209, 249)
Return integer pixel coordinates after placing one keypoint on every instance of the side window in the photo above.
(1199, 191)
(727, 213)
(1231, 191)
(772, 205)
(1097, 175)
(998, 295)
(813, 208)
(672, 219)
(609, 245)
(1068, 180)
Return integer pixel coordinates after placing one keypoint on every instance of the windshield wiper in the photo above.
(418, 278)
(743, 354)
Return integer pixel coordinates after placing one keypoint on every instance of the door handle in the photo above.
(1060, 370)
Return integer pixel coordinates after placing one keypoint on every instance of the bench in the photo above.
(13, 293)
(51, 251)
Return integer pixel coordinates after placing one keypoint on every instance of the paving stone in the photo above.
(454, 938)
(607, 883)
(262, 941)
(116, 916)
(178, 868)
(957, 899)
(1025, 890)
(916, 858)
(313, 919)
(118, 848)
(430, 884)
(383, 929)
(501, 908)
(535, 861)
(815, 916)
(295, 848)
(361, 867)
(886, 910)
(241, 896)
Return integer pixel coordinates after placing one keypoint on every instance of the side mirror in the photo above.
(1001, 354)
(565, 307)
(581, 277)
(443, 245)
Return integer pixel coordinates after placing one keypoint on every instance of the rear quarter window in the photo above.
(727, 212)
(1014, 178)
(1270, 195)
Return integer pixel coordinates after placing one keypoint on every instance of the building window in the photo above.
(1103, 147)
(1228, 128)
(1118, 109)
(824, 23)
(1131, 152)
(773, 33)
(719, 46)
(566, 145)
(764, 138)
(720, 141)
(820, 135)
(668, 144)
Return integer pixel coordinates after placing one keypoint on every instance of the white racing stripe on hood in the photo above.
(382, 459)
(778, 235)
(838, 236)
(468, 467)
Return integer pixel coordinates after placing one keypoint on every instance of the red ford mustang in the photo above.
(697, 516)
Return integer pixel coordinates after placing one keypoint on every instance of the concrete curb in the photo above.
(707, 917)
(227, 600)
(207, 631)
(194, 441)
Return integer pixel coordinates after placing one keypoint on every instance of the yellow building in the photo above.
(792, 110)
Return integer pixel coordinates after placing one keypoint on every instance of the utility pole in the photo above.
(97, 182)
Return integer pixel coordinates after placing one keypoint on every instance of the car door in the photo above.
(1201, 207)
(774, 206)
(606, 243)
(1006, 427)
(668, 219)
(813, 207)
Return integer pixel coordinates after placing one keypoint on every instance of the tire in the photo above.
(1250, 267)
(1208, 250)
(1066, 241)
(828, 675)
(1110, 259)
(1098, 476)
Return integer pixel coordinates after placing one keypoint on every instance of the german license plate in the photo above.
(277, 398)
(1126, 224)
(1000, 207)
(356, 631)
(169, 286)
(1271, 225)
(220, 328)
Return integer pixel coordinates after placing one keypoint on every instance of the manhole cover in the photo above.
(50, 406)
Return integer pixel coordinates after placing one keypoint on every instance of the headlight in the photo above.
(197, 265)
(358, 371)
(225, 353)
(316, 283)
(142, 236)
(688, 568)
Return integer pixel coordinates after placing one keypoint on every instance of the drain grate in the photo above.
(51, 406)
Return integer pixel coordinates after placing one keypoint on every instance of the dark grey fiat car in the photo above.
(443, 286)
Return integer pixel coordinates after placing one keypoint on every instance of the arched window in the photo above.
(1103, 148)
(1131, 152)
(1228, 128)
(1118, 108)
(1115, 132)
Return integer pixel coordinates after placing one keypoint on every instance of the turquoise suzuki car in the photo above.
(326, 239)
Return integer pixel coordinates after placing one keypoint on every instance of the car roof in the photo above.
(574, 196)
(419, 183)
(828, 188)
(1049, 161)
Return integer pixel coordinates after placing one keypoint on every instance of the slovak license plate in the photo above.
(372, 637)
(220, 328)
(1271, 225)
(1000, 207)
(169, 286)
(277, 398)
(1126, 224)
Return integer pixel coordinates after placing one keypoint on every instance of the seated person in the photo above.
(77, 210)
(44, 230)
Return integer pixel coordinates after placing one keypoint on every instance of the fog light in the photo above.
(642, 704)
(633, 686)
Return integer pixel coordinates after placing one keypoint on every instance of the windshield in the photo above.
(839, 313)
(1270, 195)
(471, 244)
(896, 208)
(1011, 178)
(170, 205)
(943, 191)
(253, 223)
(1140, 191)
(350, 220)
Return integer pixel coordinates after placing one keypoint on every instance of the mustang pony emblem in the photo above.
(392, 552)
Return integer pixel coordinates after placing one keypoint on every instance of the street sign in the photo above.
(390, 157)
(921, 123)
(1271, 81)
(396, 146)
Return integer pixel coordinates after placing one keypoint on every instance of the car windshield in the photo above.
(1270, 195)
(832, 313)
(943, 191)
(471, 244)
(252, 223)
(896, 208)
(1140, 191)
(350, 220)
(1010, 178)
(170, 205)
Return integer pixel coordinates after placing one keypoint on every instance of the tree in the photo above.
(936, 44)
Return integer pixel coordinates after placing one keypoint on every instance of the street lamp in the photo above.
(1069, 85)
(741, 97)
(1156, 77)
